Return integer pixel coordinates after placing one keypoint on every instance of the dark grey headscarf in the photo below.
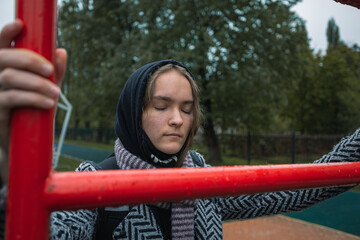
(128, 125)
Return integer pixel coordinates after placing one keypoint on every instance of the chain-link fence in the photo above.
(296, 148)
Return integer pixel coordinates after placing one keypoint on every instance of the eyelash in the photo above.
(162, 109)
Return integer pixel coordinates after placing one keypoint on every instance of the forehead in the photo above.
(174, 85)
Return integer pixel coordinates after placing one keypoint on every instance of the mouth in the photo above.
(175, 135)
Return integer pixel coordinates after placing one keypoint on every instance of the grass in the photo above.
(70, 164)
(67, 164)
(227, 160)
(231, 161)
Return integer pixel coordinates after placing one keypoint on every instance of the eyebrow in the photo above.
(168, 99)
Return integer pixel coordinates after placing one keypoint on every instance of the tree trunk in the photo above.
(100, 131)
(76, 129)
(208, 125)
(210, 137)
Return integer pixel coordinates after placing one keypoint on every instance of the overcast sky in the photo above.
(315, 12)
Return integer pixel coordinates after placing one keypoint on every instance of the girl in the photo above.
(157, 117)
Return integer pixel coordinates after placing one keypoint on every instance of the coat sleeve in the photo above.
(78, 224)
(250, 206)
(3, 196)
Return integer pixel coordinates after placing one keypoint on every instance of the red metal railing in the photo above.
(102, 188)
(35, 190)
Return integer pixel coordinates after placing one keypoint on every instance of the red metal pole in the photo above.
(354, 3)
(31, 137)
(106, 188)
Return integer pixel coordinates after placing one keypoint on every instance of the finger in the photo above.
(9, 32)
(61, 59)
(17, 98)
(26, 60)
(16, 79)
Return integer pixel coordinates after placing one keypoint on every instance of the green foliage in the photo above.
(93, 34)
(327, 100)
(251, 60)
(238, 51)
(332, 33)
(244, 54)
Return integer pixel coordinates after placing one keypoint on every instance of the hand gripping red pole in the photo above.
(31, 136)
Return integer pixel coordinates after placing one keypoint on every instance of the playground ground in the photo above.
(283, 228)
(336, 218)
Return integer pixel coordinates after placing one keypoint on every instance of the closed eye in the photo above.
(187, 108)
(160, 108)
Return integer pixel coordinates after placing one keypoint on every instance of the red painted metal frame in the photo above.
(31, 138)
(106, 188)
(35, 190)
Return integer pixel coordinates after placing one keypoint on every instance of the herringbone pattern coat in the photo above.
(140, 223)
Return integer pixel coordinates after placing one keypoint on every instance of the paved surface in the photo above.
(281, 228)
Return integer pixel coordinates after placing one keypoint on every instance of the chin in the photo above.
(170, 149)
(171, 152)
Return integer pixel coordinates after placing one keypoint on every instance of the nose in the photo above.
(176, 118)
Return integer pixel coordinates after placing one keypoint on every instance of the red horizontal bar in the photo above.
(121, 187)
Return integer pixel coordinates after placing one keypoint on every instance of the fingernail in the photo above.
(48, 69)
(55, 91)
(49, 103)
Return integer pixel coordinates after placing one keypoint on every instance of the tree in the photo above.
(245, 55)
(241, 52)
(300, 105)
(326, 99)
(332, 33)
(96, 35)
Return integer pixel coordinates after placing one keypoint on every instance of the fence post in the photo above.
(293, 147)
(248, 148)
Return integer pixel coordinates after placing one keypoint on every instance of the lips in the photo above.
(173, 135)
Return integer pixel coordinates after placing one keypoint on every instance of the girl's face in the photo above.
(168, 117)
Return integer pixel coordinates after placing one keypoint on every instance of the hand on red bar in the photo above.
(24, 83)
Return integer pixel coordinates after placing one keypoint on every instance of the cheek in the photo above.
(152, 124)
(145, 123)
(188, 123)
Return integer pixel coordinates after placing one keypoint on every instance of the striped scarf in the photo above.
(182, 213)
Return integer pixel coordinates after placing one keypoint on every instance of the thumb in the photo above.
(61, 58)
